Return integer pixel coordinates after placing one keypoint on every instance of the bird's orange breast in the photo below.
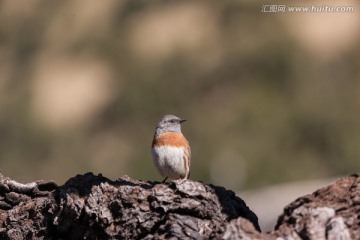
(175, 139)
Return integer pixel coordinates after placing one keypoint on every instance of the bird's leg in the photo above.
(164, 180)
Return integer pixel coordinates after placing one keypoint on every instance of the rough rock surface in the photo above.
(98, 208)
(332, 212)
(25, 209)
(94, 207)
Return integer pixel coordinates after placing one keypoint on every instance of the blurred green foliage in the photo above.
(262, 106)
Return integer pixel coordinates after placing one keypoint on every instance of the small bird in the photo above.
(170, 149)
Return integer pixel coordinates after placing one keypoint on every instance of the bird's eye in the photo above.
(172, 120)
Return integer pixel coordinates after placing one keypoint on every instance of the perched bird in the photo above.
(170, 149)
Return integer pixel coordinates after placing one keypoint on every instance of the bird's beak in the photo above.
(182, 120)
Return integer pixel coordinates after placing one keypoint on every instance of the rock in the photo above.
(93, 207)
(25, 209)
(98, 208)
(331, 212)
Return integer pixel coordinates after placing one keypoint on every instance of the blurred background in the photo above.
(270, 98)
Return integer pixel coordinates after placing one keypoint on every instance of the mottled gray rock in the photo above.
(25, 209)
(94, 207)
(331, 212)
(98, 208)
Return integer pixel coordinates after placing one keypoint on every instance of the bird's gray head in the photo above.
(169, 123)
